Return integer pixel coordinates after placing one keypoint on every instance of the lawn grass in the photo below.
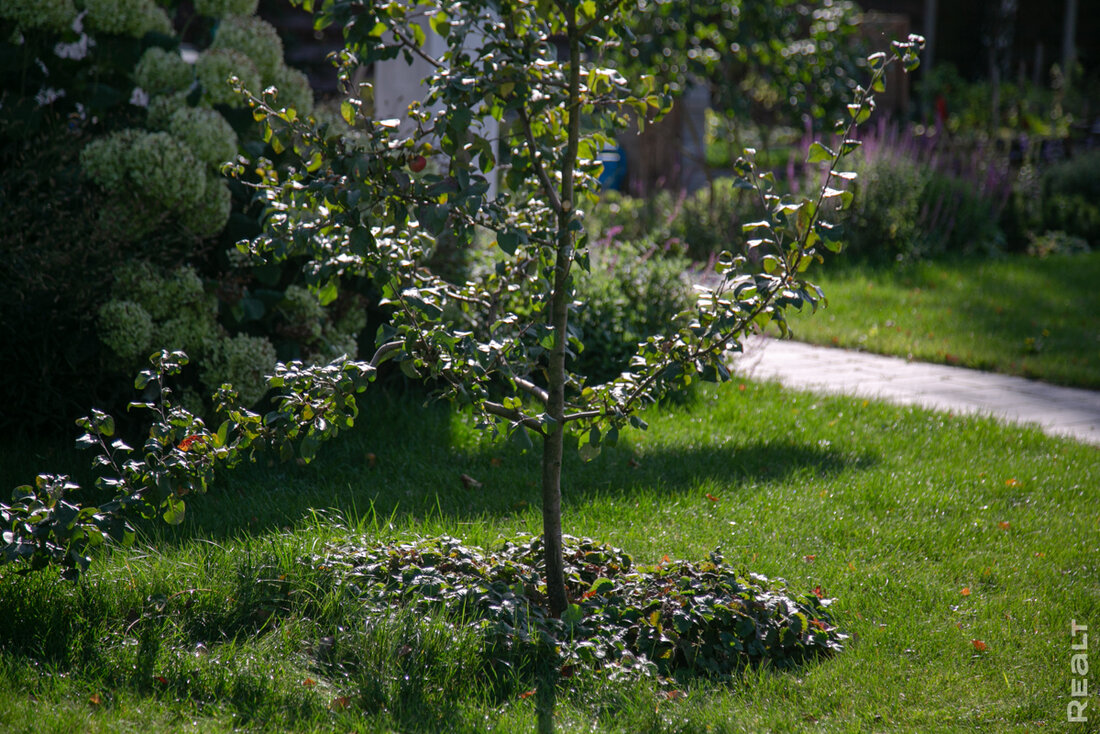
(1017, 315)
(932, 531)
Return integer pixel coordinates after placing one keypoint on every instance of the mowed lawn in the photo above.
(959, 552)
(1018, 315)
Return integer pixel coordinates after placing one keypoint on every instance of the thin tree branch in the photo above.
(533, 389)
(515, 416)
(536, 163)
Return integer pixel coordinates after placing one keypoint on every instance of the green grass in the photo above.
(218, 625)
(1017, 315)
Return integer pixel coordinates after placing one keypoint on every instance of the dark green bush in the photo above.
(906, 210)
(634, 289)
(956, 218)
(57, 267)
(710, 219)
(1071, 197)
(627, 218)
(882, 222)
(700, 224)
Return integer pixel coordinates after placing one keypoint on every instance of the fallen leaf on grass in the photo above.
(340, 702)
(809, 559)
(309, 683)
(711, 497)
(528, 694)
(94, 699)
(1012, 482)
(979, 645)
(1003, 525)
(673, 695)
(469, 482)
(965, 591)
(818, 592)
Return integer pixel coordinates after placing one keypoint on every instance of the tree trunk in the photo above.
(553, 445)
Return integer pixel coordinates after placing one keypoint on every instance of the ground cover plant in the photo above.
(959, 551)
(1018, 315)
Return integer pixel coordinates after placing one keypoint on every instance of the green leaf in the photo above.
(573, 614)
(328, 292)
(819, 153)
(601, 585)
(174, 509)
(508, 242)
(588, 451)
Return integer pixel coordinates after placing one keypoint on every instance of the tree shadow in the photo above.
(411, 462)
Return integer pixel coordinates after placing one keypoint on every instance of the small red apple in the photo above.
(417, 163)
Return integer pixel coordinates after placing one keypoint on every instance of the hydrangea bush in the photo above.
(154, 128)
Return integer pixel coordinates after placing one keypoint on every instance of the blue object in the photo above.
(614, 168)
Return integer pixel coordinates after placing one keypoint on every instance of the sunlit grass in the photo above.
(1017, 315)
(931, 531)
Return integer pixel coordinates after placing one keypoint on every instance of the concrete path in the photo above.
(1059, 411)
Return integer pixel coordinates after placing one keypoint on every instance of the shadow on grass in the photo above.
(406, 463)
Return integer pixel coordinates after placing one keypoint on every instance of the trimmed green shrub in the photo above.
(907, 210)
(710, 219)
(633, 289)
(113, 182)
(1071, 197)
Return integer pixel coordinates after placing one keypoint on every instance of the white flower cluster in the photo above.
(44, 15)
(161, 71)
(164, 170)
(222, 8)
(215, 66)
(103, 159)
(162, 107)
(127, 329)
(209, 216)
(304, 312)
(243, 361)
(152, 312)
(255, 38)
(132, 18)
(166, 173)
(209, 136)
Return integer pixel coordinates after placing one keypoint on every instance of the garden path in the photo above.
(1061, 411)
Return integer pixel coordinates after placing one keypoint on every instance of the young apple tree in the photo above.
(373, 197)
(501, 341)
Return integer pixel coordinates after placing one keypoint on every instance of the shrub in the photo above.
(883, 221)
(57, 269)
(142, 186)
(1071, 197)
(633, 289)
(706, 618)
(1056, 243)
(710, 219)
(619, 216)
(906, 209)
(955, 218)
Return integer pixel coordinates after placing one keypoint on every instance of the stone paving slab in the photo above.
(1060, 411)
